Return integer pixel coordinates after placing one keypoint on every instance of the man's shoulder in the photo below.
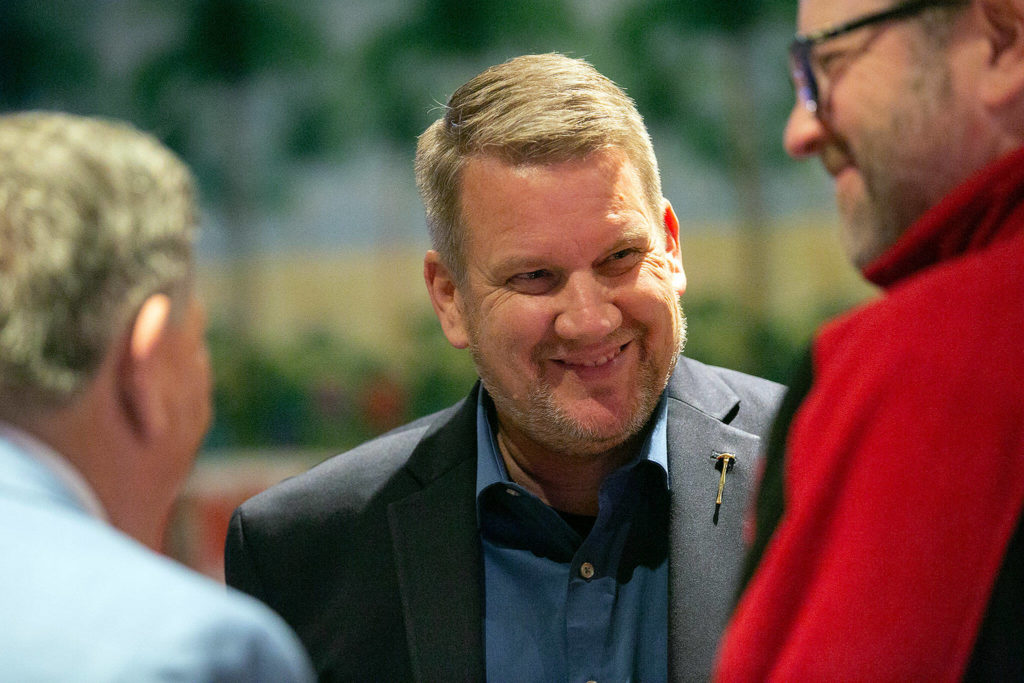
(352, 477)
(331, 526)
(144, 614)
(738, 381)
(961, 314)
(708, 386)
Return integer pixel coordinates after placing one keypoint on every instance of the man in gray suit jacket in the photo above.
(104, 399)
(578, 516)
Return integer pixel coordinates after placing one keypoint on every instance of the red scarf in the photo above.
(904, 470)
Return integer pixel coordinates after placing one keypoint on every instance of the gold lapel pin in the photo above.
(724, 462)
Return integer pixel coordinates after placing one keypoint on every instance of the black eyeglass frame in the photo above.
(800, 49)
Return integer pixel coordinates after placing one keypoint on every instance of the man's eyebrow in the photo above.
(519, 263)
(631, 236)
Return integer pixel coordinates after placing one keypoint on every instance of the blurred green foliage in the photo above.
(40, 55)
(314, 391)
(720, 333)
(322, 392)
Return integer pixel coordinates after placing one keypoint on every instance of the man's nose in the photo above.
(805, 133)
(587, 310)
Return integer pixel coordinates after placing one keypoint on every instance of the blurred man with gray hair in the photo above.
(104, 400)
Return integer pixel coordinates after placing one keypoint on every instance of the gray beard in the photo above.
(550, 426)
(895, 196)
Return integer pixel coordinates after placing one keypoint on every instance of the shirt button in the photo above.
(587, 571)
(512, 492)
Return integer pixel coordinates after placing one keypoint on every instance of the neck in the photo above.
(90, 437)
(982, 210)
(567, 482)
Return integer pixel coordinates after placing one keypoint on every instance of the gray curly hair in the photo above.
(95, 216)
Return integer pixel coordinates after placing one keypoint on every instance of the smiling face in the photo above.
(570, 302)
(892, 132)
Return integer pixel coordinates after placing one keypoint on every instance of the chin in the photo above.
(591, 432)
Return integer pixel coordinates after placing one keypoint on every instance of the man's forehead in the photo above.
(815, 15)
(606, 154)
(609, 166)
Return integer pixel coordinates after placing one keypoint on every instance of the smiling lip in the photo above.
(592, 360)
(836, 169)
(835, 160)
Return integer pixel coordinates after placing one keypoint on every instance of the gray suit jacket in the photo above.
(374, 558)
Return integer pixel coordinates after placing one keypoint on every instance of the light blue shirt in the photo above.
(560, 607)
(81, 601)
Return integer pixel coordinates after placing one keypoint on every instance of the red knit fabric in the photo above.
(904, 472)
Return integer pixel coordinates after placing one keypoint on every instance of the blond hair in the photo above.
(94, 217)
(534, 109)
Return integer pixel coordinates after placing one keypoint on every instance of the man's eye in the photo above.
(622, 261)
(827, 62)
(533, 282)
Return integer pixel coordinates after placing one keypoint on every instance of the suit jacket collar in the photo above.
(438, 553)
(692, 384)
(705, 538)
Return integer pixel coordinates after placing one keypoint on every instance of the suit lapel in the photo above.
(706, 541)
(438, 556)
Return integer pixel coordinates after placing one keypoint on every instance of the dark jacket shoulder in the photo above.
(736, 398)
(351, 479)
(319, 547)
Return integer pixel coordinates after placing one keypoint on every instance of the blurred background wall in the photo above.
(300, 120)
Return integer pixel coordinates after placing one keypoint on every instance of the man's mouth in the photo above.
(592, 360)
(835, 161)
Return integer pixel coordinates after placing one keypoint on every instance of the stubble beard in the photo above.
(895, 175)
(549, 425)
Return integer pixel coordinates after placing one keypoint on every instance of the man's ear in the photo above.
(675, 252)
(445, 298)
(141, 367)
(1002, 22)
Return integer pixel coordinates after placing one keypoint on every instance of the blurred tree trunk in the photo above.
(743, 132)
(238, 197)
(228, 49)
(696, 70)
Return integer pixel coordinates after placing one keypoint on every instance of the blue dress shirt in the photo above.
(562, 607)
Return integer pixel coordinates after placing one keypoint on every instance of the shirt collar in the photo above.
(58, 466)
(490, 468)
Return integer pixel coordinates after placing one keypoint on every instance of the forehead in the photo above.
(815, 15)
(604, 181)
(595, 198)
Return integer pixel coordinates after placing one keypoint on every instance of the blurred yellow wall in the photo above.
(371, 298)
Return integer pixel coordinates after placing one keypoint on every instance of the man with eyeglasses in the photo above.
(888, 540)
